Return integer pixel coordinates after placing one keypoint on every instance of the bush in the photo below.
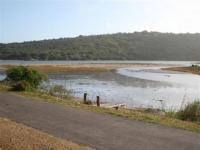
(21, 74)
(60, 91)
(191, 112)
(22, 86)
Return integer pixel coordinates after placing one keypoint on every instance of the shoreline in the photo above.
(146, 115)
(190, 69)
(75, 68)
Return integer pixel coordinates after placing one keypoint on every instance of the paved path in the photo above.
(103, 132)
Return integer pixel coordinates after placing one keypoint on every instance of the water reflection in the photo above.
(142, 87)
(136, 89)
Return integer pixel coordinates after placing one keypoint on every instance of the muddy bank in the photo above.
(191, 69)
(76, 68)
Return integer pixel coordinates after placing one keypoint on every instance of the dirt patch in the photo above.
(14, 136)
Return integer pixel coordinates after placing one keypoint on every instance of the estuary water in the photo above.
(141, 86)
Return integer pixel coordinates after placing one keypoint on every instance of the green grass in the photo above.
(166, 120)
(190, 112)
(4, 87)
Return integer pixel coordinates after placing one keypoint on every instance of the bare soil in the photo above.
(15, 136)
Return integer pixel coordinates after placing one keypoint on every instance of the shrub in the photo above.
(191, 112)
(22, 86)
(21, 73)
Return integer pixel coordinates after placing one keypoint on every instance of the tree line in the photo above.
(120, 46)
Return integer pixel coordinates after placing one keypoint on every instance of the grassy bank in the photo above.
(62, 68)
(145, 115)
(190, 69)
(15, 136)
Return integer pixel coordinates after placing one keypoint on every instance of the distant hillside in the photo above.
(120, 46)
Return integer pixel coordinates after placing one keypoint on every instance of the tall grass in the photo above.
(191, 112)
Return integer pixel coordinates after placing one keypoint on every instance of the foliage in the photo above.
(120, 46)
(60, 91)
(191, 112)
(22, 86)
(25, 77)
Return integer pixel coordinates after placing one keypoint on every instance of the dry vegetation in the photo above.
(191, 69)
(74, 67)
(14, 136)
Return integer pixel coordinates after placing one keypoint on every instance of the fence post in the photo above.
(85, 98)
(98, 101)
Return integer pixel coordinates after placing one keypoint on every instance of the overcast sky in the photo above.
(24, 20)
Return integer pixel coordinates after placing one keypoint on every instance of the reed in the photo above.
(191, 112)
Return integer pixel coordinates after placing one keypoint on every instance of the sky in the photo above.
(25, 20)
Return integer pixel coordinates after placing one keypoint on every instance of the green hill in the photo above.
(120, 46)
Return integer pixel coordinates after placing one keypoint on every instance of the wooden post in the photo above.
(98, 101)
(85, 98)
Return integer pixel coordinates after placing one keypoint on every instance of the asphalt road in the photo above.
(100, 131)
